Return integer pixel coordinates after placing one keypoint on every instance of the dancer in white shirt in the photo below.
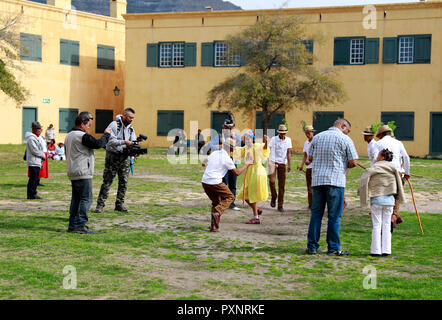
(372, 148)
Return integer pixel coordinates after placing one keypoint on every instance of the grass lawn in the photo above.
(162, 249)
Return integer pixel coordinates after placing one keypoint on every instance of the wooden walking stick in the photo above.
(415, 208)
(411, 175)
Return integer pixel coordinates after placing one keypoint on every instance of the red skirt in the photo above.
(44, 170)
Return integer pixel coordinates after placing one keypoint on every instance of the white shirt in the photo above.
(372, 151)
(219, 162)
(278, 149)
(398, 150)
(306, 150)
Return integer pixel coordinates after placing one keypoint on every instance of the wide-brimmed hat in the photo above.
(230, 143)
(368, 132)
(36, 125)
(282, 128)
(309, 128)
(382, 129)
(228, 124)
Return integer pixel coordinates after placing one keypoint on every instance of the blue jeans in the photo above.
(334, 198)
(230, 180)
(80, 203)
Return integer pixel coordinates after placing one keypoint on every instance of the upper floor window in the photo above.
(70, 52)
(407, 49)
(357, 51)
(406, 45)
(171, 54)
(225, 57)
(30, 47)
(105, 57)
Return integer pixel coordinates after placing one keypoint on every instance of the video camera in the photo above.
(135, 149)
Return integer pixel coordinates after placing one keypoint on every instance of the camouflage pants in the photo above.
(115, 163)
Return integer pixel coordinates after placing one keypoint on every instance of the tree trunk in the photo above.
(265, 121)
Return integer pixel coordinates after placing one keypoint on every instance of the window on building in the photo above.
(225, 57)
(168, 120)
(69, 52)
(102, 119)
(30, 47)
(324, 120)
(407, 49)
(355, 50)
(171, 54)
(274, 122)
(404, 122)
(217, 54)
(67, 119)
(105, 57)
(308, 44)
(217, 119)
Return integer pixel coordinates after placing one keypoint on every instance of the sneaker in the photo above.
(98, 209)
(82, 230)
(338, 253)
(273, 203)
(311, 251)
(385, 254)
(280, 209)
(375, 254)
(120, 207)
(35, 197)
(253, 221)
(235, 208)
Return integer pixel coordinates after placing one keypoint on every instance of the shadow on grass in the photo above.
(33, 223)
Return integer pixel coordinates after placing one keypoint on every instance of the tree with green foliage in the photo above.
(10, 59)
(279, 74)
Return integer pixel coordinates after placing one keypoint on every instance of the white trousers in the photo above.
(381, 233)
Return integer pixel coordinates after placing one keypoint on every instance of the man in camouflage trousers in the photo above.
(117, 160)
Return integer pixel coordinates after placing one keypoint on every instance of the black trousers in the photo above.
(33, 181)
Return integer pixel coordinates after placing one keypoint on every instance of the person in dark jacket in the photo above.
(80, 161)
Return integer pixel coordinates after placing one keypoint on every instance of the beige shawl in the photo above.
(380, 180)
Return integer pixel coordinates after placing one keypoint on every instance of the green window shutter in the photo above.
(207, 54)
(390, 50)
(190, 54)
(422, 48)
(217, 119)
(342, 51)
(102, 119)
(324, 120)
(67, 119)
(30, 47)
(274, 122)
(404, 122)
(69, 52)
(168, 120)
(105, 57)
(152, 55)
(64, 52)
(75, 53)
(242, 59)
(372, 50)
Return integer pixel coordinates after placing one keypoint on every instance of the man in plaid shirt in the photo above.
(332, 152)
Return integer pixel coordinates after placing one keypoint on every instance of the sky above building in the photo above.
(277, 4)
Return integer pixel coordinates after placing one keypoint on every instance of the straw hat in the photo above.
(282, 128)
(309, 128)
(382, 129)
(368, 132)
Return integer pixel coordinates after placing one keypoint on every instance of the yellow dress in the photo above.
(255, 186)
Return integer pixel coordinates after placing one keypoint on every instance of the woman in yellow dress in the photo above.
(255, 186)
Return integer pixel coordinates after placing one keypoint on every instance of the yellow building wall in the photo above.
(83, 87)
(371, 88)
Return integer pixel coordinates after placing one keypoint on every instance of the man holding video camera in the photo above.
(117, 159)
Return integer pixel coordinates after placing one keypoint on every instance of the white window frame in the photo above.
(357, 51)
(406, 50)
(172, 54)
(225, 57)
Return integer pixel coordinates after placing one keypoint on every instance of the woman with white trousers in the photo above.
(380, 183)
